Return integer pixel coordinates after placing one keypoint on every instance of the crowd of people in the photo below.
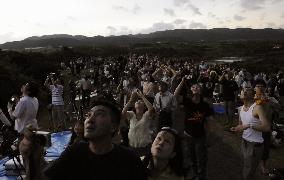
(151, 117)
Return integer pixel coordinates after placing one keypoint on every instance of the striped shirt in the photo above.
(56, 94)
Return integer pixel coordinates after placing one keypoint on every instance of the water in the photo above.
(229, 59)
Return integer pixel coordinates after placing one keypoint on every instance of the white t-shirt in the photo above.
(25, 113)
(139, 134)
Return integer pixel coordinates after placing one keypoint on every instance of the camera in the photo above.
(13, 99)
(51, 75)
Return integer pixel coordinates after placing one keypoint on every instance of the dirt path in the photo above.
(224, 158)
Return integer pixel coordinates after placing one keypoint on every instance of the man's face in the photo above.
(259, 89)
(163, 145)
(162, 88)
(98, 123)
(247, 93)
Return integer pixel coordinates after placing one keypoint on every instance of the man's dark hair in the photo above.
(115, 112)
(260, 81)
(32, 88)
(163, 84)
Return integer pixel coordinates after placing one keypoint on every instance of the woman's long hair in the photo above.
(175, 163)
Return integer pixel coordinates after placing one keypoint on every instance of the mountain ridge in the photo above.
(169, 36)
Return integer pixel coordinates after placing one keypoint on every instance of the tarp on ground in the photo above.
(59, 141)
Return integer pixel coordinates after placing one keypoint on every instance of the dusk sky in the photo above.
(24, 18)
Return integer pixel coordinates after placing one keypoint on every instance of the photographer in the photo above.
(26, 109)
(54, 85)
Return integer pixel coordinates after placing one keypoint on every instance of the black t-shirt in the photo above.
(78, 162)
(229, 89)
(195, 117)
(208, 87)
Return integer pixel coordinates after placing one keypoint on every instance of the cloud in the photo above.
(169, 12)
(239, 18)
(71, 18)
(277, 1)
(188, 5)
(179, 21)
(180, 3)
(123, 30)
(159, 26)
(196, 25)
(112, 30)
(194, 9)
(120, 8)
(136, 8)
(38, 24)
(271, 25)
(252, 4)
(210, 14)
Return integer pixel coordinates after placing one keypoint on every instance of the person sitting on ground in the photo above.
(165, 159)
(32, 150)
(78, 133)
(139, 135)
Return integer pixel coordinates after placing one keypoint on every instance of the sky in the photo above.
(25, 18)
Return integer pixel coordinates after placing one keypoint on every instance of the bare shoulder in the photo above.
(258, 108)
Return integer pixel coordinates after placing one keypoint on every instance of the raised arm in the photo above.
(154, 75)
(149, 106)
(172, 71)
(47, 83)
(127, 105)
(179, 88)
(222, 77)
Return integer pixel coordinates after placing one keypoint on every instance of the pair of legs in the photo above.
(58, 117)
(252, 153)
(266, 149)
(229, 112)
(195, 158)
